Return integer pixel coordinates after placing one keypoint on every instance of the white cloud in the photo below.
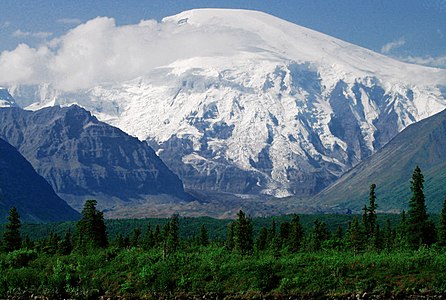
(41, 34)
(439, 61)
(393, 45)
(24, 64)
(69, 21)
(100, 51)
(5, 24)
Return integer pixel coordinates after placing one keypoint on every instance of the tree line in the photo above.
(414, 230)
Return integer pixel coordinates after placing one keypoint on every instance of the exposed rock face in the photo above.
(82, 157)
(23, 188)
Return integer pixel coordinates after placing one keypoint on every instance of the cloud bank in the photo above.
(99, 51)
(387, 48)
(41, 34)
(439, 62)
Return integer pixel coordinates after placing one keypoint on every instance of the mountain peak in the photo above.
(260, 32)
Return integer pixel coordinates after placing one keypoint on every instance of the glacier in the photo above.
(282, 110)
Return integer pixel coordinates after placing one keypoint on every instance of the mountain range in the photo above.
(284, 111)
(23, 188)
(83, 158)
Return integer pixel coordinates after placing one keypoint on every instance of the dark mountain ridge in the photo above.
(83, 158)
(30, 193)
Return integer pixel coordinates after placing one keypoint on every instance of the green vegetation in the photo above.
(290, 256)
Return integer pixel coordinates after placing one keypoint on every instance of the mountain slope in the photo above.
(83, 158)
(22, 187)
(278, 109)
(391, 168)
(6, 100)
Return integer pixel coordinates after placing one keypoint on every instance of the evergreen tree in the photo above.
(134, 239)
(400, 233)
(337, 239)
(230, 243)
(66, 245)
(262, 239)
(11, 236)
(91, 229)
(378, 241)
(243, 235)
(371, 211)
(204, 237)
(272, 231)
(149, 240)
(369, 216)
(355, 236)
(319, 235)
(418, 225)
(52, 243)
(119, 241)
(171, 236)
(284, 232)
(442, 228)
(157, 235)
(389, 236)
(296, 235)
(27, 243)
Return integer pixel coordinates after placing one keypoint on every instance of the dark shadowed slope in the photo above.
(22, 187)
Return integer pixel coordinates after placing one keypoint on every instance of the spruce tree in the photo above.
(171, 236)
(284, 232)
(418, 225)
(442, 228)
(319, 235)
(157, 235)
(243, 234)
(296, 235)
(262, 239)
(389, 235)
(371, 211)
(66, 245)
(272, 232)
(11, 236)
(230, 243)
(91, 229)
(204, 237)
(134, 239)
(149, 240)
(355, 236)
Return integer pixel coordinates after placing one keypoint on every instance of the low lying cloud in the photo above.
(69, 21)
(99, 51)
(40, 35)
(5, 24)
(387, 48)
(438, 62)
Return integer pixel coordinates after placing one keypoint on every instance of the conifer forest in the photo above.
(365, 256)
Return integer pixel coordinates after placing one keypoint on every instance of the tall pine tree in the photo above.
(91, 229)
(11, 236)
(442, 229)
(243, 234)
(420, 231)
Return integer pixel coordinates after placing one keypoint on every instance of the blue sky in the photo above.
(411, 30)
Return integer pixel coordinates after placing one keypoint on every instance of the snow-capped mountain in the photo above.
(6, 100)
(281, 110)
